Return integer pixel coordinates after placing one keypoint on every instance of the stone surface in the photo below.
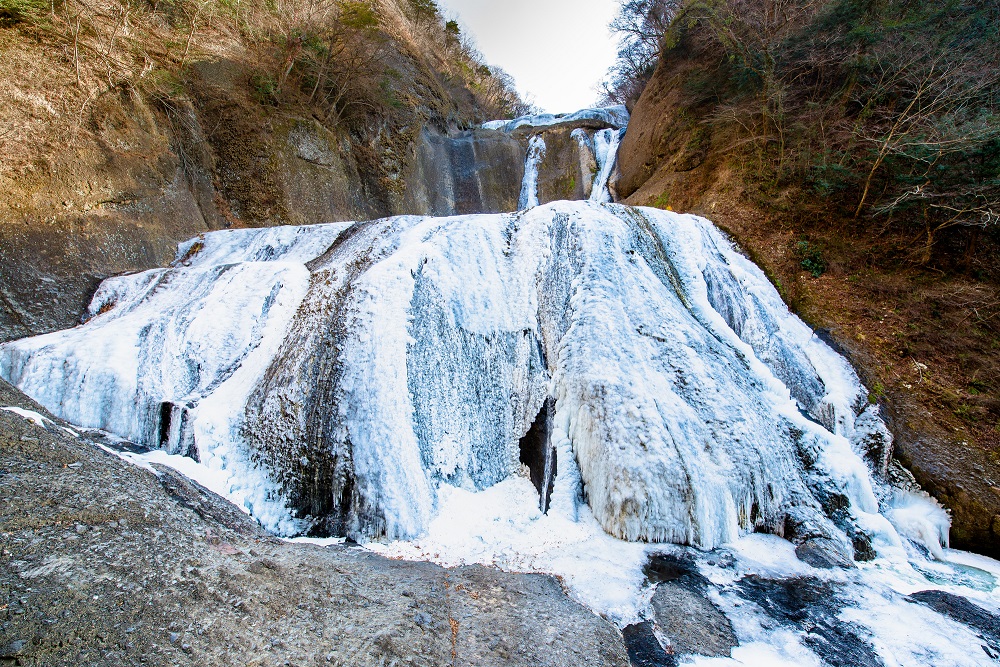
(692, 623)
(804, 602)
(183, 178)
(822, 553)
(473, 172)
(567, 171)
(188, 580)
(965, 612)
(643, 648)
(683, 611)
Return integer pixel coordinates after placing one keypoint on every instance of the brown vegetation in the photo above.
(852, 148)
(365, 68)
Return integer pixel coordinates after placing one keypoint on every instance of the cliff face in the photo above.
(923, 335)
(130, 130)
(478, 171)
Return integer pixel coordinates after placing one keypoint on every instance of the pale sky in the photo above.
(556, 50)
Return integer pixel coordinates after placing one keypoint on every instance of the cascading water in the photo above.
(606, 144)
(625, 369)
(529, 186)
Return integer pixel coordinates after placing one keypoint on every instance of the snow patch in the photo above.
(34, 417)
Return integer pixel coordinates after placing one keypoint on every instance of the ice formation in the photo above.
(616, 117)
(529, 185)
(337, 377)
(548, 390)
(606, 144)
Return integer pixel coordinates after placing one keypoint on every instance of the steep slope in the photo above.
(783, 168)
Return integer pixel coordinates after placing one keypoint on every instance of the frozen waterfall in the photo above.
(563, 389)
(340, 376)
(616, 117)
(596, 135)
(606, 144)
(529, 186)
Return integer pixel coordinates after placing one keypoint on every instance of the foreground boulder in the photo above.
(103, 563)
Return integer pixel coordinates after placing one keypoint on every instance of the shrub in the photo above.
(424, 10)
(13, 12)
(888, 108)
(812, 258)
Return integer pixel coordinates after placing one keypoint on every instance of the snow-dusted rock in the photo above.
(616, 117)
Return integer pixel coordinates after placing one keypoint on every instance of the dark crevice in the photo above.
(539, 455)
(166, 408)
(644, 649)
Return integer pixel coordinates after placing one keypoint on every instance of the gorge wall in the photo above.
(131, 128)
(923, 336)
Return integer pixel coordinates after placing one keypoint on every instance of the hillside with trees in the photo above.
(852, 147)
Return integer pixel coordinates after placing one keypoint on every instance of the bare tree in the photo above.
(640, 27)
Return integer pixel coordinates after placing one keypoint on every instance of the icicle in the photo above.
(350, 373)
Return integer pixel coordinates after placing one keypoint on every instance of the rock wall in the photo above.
(474, 172)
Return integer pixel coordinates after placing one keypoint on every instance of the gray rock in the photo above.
(683, 611)
(644, 649)
(806, 602)
(823, 553)
(963, 611)
(13, 649)
(691, 621)
(177, 581)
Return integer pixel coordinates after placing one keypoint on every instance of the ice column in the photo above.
(529, 186)
(606, 150)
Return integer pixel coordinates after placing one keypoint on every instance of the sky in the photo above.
(557, 50)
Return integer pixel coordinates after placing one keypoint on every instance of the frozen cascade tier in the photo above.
(338, 376)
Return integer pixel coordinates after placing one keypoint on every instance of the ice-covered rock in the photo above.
(338, 376)
(606, 144)
(615, 117)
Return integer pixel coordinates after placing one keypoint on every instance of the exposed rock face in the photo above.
(116, 565)
(963, 611)
(474, 172)
(815, 603)
(692, 623)
(567, 172)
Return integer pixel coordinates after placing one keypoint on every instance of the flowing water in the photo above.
(568, 388)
